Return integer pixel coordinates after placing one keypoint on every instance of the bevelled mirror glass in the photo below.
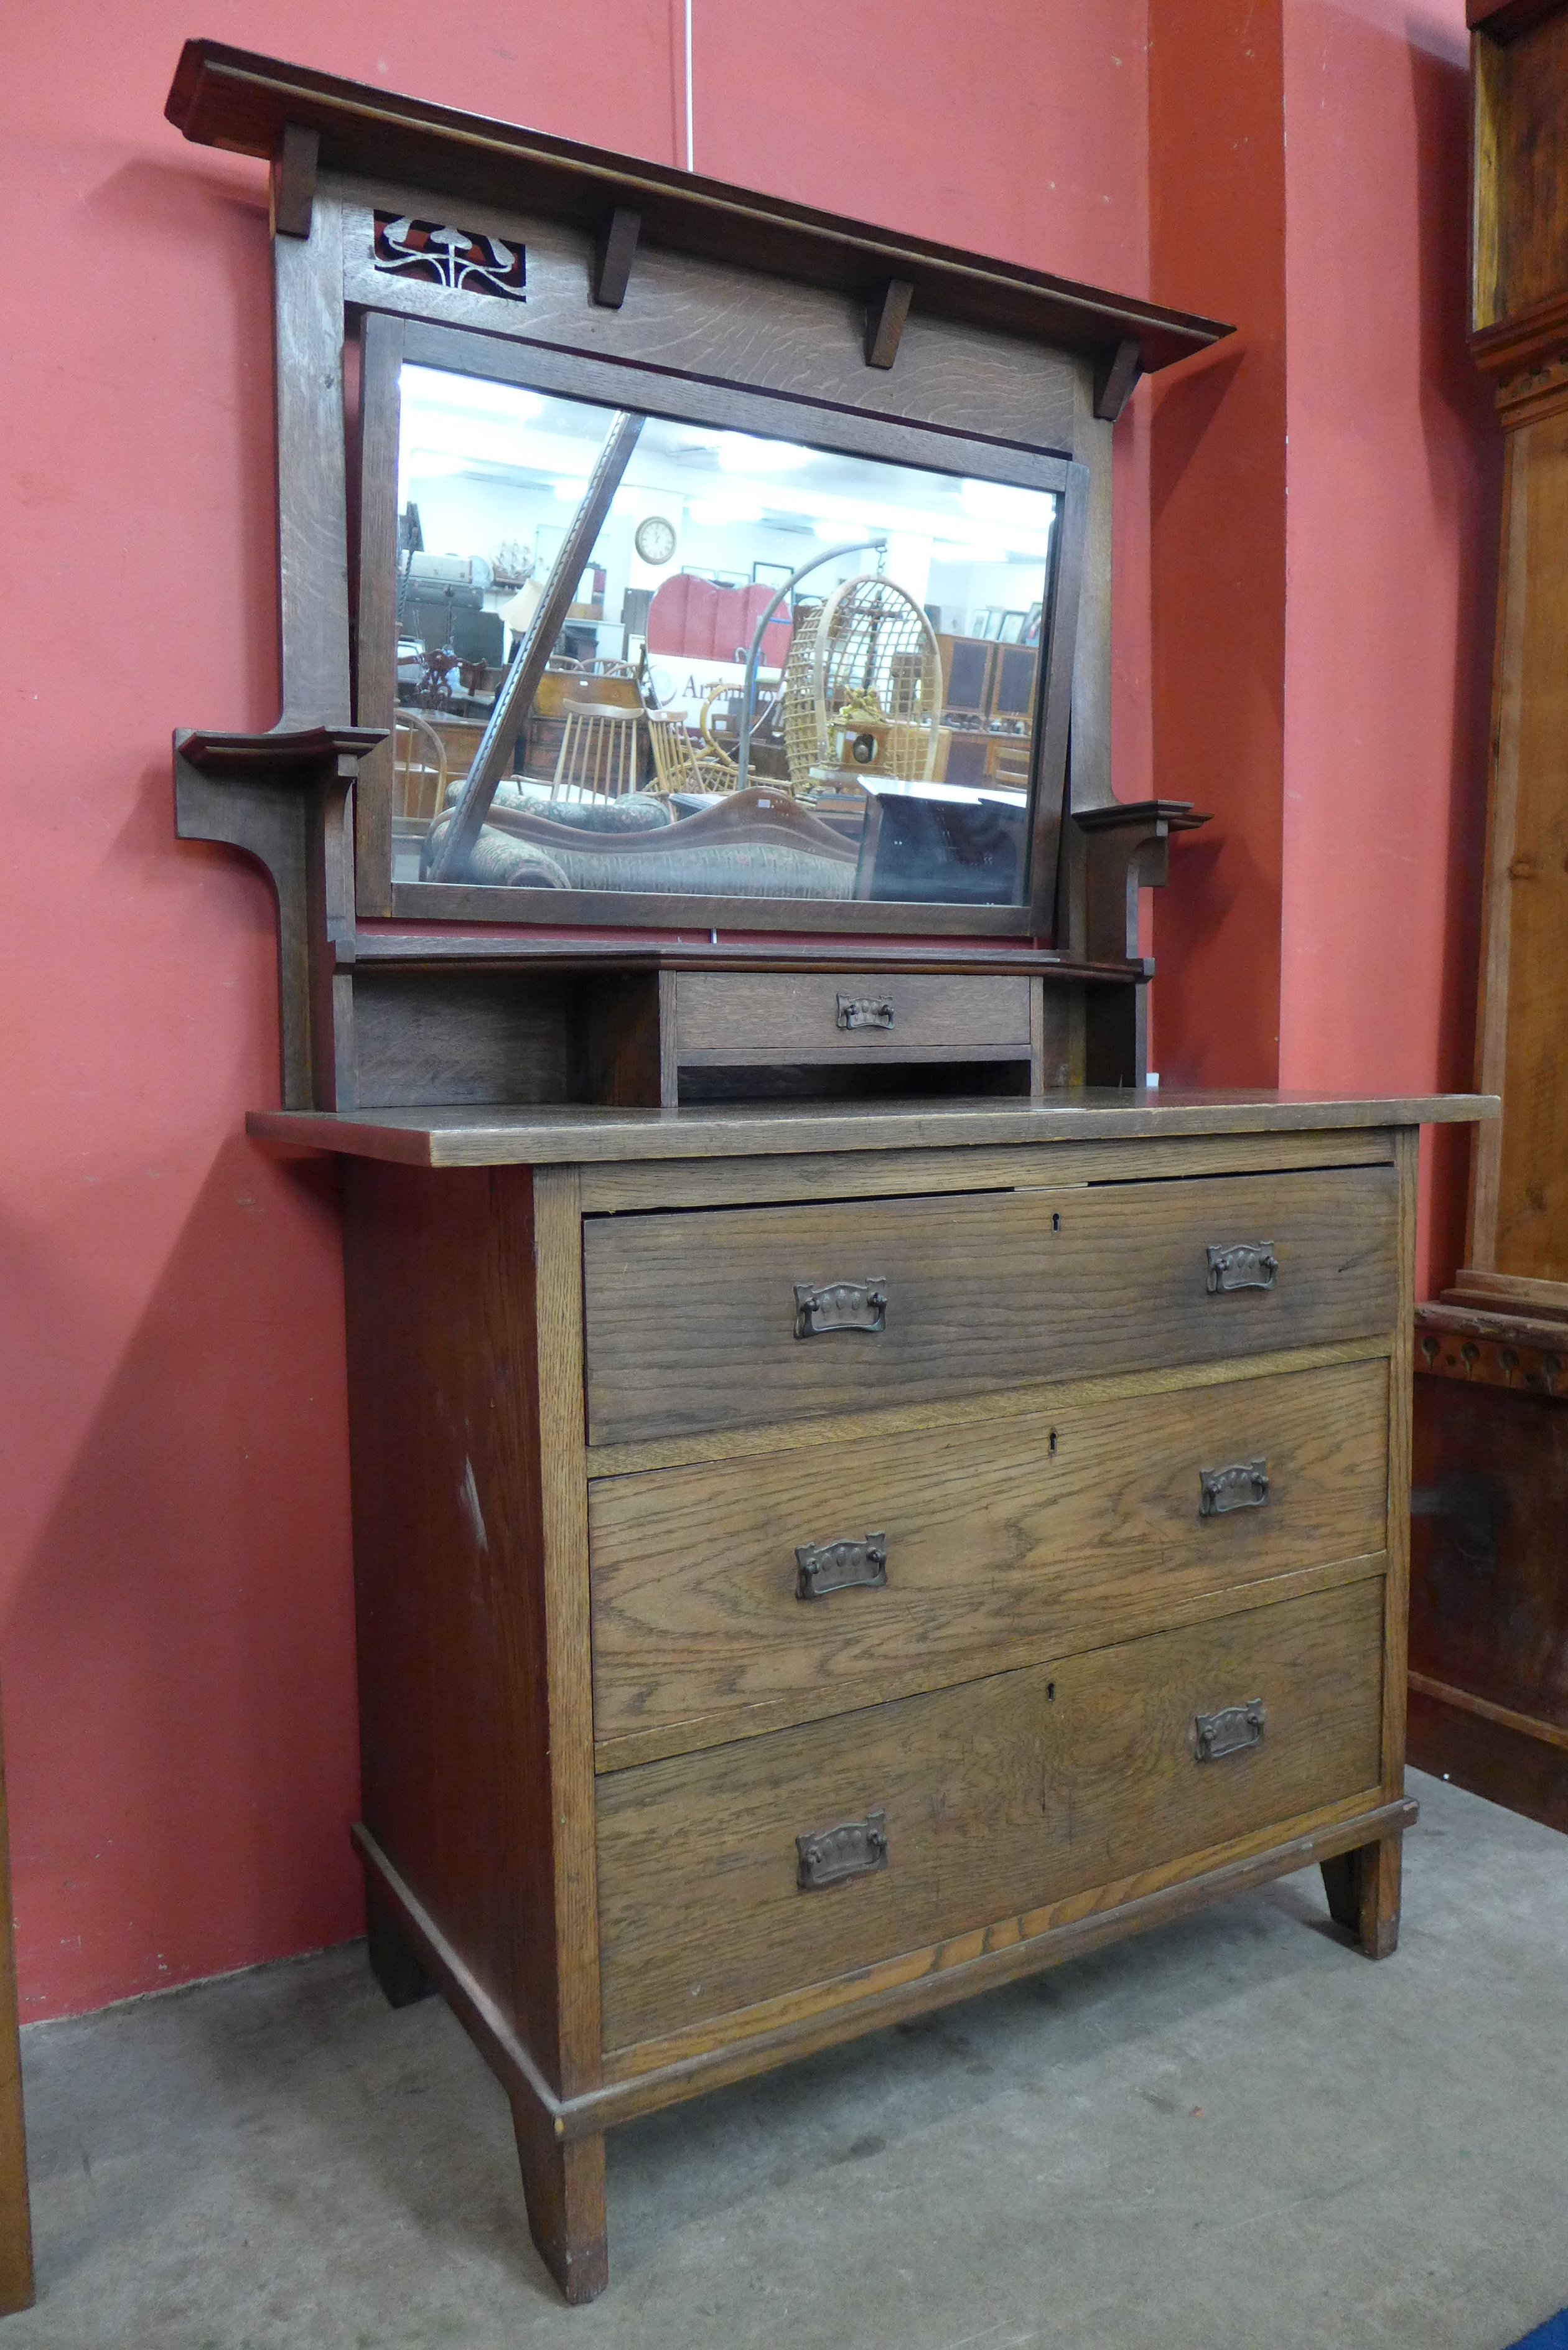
(776, 671)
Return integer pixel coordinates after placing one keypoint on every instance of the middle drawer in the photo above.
(976, 1547)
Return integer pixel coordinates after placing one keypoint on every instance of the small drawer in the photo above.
(722, 1879)
(731, 1316)
(805, 1016)
(742, 1595)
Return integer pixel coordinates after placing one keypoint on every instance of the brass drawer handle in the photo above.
(1243, 1486)
(854, 1848)
(822, 1306)
(822, 1567)
(866, 1011)
(1234, 1729)
(1242, 1264)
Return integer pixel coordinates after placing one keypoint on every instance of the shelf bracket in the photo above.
(615, 249)
(292, 186)
(1115, 373)
(884, 315)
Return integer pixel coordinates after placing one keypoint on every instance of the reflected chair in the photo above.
(597, 754)
(679, 765)
(419, 765)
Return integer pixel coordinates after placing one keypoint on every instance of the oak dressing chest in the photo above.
(855, 1496)
(812, 1566)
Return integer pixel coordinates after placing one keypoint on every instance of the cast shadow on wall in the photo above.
(180, 1645)
(204, 231)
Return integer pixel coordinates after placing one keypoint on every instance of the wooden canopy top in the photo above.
(231, 98)
(553, 1137)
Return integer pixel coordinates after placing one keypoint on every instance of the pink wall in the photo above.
(175, 1626)
(1216, 206)
(1395, 463)
(1324, 501)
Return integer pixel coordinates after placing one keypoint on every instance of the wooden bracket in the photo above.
(884, 315)
(283, 799)
(614, 248)
(292, 193)
(1128, 850)
(1115, 373)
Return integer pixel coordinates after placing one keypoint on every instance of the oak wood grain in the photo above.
(469, 1037)
(795, 371)
(587, 1136)
(375, 642)
(1521, 254)
(1520, 1211)
(998, 1797)
(1033, 1537)
(460, 1540)
(690, 1317)
(655, 2073)
(736, 1012)
(558, 1337)
(1502, 794)
(836, 1175)
(1036, 1397)
(311, 490)
(688, 323)
(1397, 1596)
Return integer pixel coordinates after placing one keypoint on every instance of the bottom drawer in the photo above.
(991, 1798)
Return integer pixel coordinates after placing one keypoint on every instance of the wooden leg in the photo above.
(1363, 1888)
(392, 1963)
(564, 2186)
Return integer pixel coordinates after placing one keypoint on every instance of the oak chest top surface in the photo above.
(483, 1137)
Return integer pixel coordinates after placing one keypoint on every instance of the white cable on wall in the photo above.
(690, 166)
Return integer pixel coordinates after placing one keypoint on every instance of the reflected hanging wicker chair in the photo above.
(863, 689)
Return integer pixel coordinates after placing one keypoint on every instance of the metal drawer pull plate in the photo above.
(1234, 1729)
(822, 1567)
(822, 1306)
(866, 1011)
(853, 1848)
(1242, 1264)
(1243, 1486)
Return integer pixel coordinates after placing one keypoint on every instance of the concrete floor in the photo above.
(1234, 2135)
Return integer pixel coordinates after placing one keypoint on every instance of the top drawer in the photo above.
(859, 1016)
(724, 1318)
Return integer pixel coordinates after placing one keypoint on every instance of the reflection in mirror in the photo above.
(892, 620)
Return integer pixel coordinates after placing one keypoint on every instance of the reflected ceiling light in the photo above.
(977, 549)
(570, 486)
(469, 394)
(742, 452)
(1002, 502)
(488, 440)
(725, 509)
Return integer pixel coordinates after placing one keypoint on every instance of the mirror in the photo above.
(776, 670)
